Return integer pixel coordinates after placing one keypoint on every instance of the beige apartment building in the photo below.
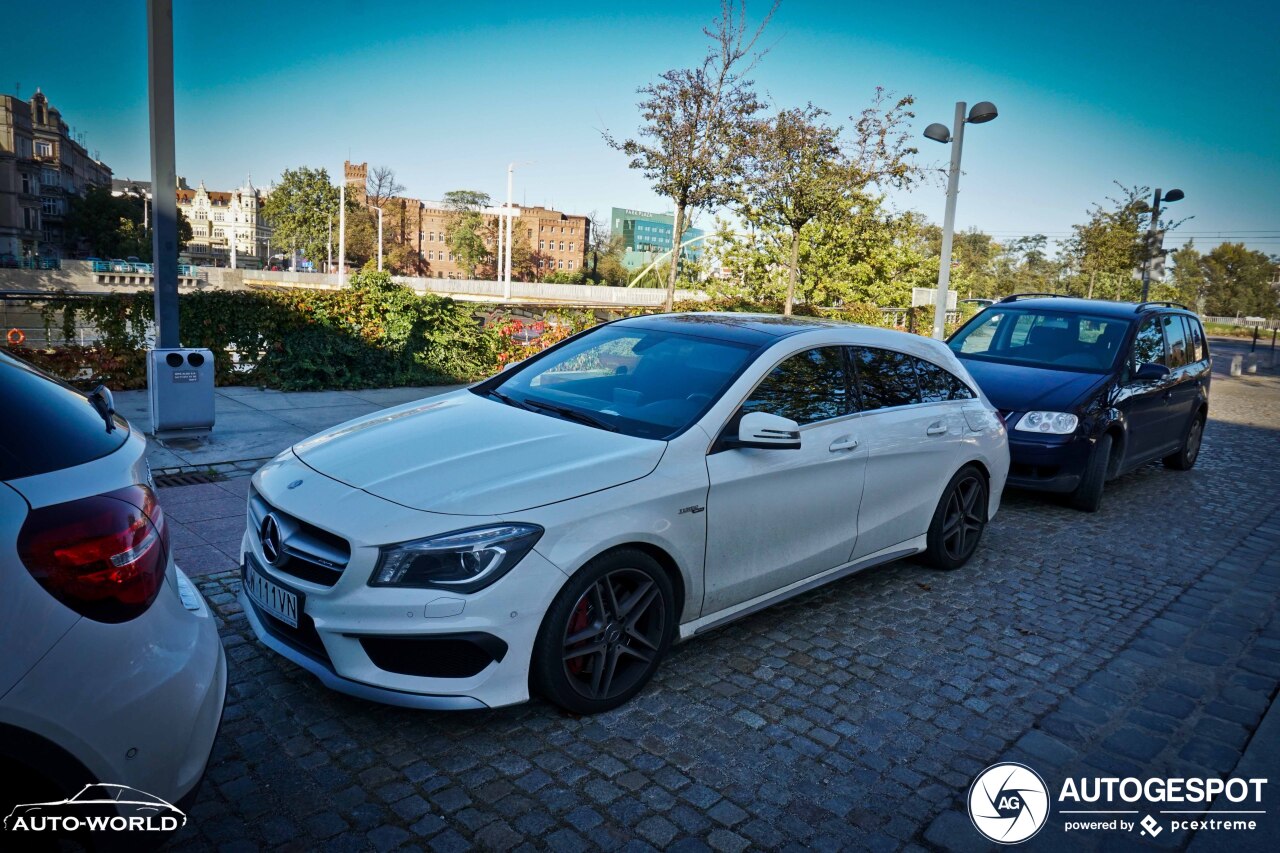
(41, 167)
(558, 241)
(219, 218)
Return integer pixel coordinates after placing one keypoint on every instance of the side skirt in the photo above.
(746, 608)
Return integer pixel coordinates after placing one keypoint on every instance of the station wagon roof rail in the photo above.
(1142, 306)
(1016, 296)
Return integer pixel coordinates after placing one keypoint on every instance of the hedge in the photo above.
(374, 333)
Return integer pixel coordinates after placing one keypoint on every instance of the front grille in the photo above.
(309, 552)
(439, 656)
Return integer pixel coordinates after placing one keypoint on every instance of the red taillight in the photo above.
(104, 556)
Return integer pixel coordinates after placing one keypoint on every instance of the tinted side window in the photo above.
(1148, 347)
(807, 387)
(938, 383)
(50, 426)
(1176, 333)
(885, 378)
(1196, 337)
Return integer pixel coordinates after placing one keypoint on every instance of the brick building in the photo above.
(41, 168)
(557, 241)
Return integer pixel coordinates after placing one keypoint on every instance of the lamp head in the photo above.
(981, 112)
(937, 132)
(1174, 195)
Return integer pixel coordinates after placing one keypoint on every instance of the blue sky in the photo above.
(1174, 94)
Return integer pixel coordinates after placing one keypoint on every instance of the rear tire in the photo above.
(958, 521)
(605, 633)
(1185, 458)
(1088, 495)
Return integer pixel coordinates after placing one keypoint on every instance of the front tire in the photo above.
(605, 633)
(1088, 495)
(1187, 455)
(958, 521)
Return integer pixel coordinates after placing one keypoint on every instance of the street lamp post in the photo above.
(379, 239)
(505, 225)
(983, 111)
(1154, 239)
(342, 232)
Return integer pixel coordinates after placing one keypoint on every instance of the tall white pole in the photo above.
(379, 239)
(328, 267)
(342, 232)
(233, 248)
(506, 280)
(948, 226)
(502, 236)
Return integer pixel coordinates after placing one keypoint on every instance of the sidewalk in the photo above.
(252, 425)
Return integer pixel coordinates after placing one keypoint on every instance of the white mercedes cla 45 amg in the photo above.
(558, 526)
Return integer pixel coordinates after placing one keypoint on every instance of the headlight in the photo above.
(464, 561)
(1051, 423)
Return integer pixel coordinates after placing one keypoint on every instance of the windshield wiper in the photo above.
(572, 414)
(510, 401)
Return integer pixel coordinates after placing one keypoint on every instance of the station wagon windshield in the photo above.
(640, 382)
(1058, 341)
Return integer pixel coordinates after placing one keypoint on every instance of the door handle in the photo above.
(936, 428)
(845, 442)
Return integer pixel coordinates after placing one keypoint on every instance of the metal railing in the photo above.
(141, 268)
(1257, 322)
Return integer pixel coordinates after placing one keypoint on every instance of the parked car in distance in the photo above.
(560, 524)
(981, 303)
(112, 670)
(1090, 389)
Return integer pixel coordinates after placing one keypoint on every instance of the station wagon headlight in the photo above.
(464, 561)
(1050, 423)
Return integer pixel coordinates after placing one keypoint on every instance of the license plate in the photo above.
(271, 597)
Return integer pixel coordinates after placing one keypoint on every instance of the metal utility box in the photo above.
(180, 386)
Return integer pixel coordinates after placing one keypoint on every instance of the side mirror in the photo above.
(1150, 373)
(763, 431)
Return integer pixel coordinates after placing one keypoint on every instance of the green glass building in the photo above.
(647, 236)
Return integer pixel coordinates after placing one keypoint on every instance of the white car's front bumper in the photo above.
(338, 624)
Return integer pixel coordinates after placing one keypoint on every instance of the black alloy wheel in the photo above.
(958, 521)
(605, 633)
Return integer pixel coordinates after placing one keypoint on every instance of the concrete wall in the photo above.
(79, 276)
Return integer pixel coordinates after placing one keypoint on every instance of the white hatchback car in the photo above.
(112, 670)
(559, 525)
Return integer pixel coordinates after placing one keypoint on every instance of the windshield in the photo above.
(636, 381)
(1042, 338)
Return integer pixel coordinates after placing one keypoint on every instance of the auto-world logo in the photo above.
(1008, 803)
(98, 808)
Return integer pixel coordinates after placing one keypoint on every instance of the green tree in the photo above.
(1238, 281)
(802, 170)
(466, 230)
(696, 123)
(112, 226)
(301, 209)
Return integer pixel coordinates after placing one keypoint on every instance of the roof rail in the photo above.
(1142, 305)
(1015, 297)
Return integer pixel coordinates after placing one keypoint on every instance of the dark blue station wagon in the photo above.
(1090, 389)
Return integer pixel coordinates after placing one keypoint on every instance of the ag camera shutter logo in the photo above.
(1008, 803)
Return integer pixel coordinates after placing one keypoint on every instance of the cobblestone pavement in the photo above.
(1143, 640)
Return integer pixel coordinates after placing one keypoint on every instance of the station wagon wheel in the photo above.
(605, 633)
(958, 521)
(1186, 456)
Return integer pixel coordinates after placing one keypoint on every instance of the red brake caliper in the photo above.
(577, 622)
